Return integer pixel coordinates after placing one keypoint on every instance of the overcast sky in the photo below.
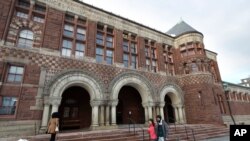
(225, 25)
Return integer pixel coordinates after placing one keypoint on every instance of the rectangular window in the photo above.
(15, 74)
(8, 106)
(38, 19)
(133, 47)
(133, 61)
(125, 45)
(146, 52)
(99, 38)
(80, 34)
(66, 48)
(99, 55)
(68, 30)
(40, 8)
(80, 48)
(109, 57)
(109, 41)
(148, 64)
(154, 66)
(22, 15)
(153, 53)
(24, 3)
(125, 60)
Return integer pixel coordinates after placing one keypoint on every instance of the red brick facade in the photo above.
(196, 77)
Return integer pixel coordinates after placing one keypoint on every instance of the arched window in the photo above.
(25, 39)
(194, 67)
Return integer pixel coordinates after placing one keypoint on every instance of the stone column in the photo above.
(146, 113)
(150, 112)
(229, 96)
(176, 114)
(184, 114)
(102, 115)
(107, 116)
(113, 112)
(55, 102)
(158, 110)
(162, 112)
(45, 117)
(54, 108)
(180, 114)
(95, 107)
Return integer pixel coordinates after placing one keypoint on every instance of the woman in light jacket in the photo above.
(52, 125)
(151, 130)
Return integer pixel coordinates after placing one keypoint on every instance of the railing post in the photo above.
(186, 132)
(193, 134)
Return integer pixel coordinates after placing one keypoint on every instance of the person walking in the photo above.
(53, 126)
(161, 129)
(151, 130)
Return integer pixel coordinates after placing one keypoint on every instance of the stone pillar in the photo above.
(95, 110)
(102, 115)
(45, 117)
(180, 114)
(176, 114)
(229, 96)
(146, 113)
(55, 102)
(184, 114)
(54, 108)
(113, 112)
(158, 110)
(107, 116)
(150, 112)
(162, 112)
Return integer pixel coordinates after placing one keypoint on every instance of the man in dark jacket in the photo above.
(161, 129)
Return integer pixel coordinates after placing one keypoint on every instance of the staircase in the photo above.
(185, 132)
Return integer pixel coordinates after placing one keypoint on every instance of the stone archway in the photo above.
(69, 79)
(175, 95)
(140, 84)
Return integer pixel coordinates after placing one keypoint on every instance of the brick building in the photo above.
(97, 69)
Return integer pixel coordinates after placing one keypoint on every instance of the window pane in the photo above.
(109, 53)
(18, 78)
(11, 78)
(99, 36)
(133, 58)
(38, 19)
(109, 39)
(81, 31)
(67, 44)
(98, 58)
(125, 57)
(79, 54)
(109, 44)
(68, 27)
(13, 69)
(99, 51)
(80, 47)
(19, 70)
(66, 52)
(80, 36)
(125, 46)
(109, 60)
(22, 15)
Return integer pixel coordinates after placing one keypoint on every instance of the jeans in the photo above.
(161, 139)
(53, 137)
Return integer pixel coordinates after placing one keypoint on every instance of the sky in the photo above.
(225, 25)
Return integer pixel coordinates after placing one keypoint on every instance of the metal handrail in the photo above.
(130, 120)
(186, 129)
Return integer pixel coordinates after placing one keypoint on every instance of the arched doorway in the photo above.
(75, 109)
(129, 101)
(168, 110)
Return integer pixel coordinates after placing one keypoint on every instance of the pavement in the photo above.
(225, 138)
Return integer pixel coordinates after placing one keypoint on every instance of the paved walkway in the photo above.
(226, 138)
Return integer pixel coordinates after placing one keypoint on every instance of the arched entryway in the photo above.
(129, 106)
(168, 110)
(75, 109)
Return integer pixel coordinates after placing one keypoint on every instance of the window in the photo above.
(99, 38)
(24, 3)
(109, 57)
(8, 106)
(25, 39)
(66, 48)
(80, 35)
(125, 45)
(148, 64)
(22, 15)
(154, 65)
(133, 47)
(15, 74)
(125, 60)
(99, 55)
(80, 48)
(194, 67)
(40, 8)
(133, 61)
(153, 53)
(38, 19)
(68, 30)
(146, 52)
(109, 41)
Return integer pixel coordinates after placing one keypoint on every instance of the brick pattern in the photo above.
(91, 39)
(160, 58)
(4, 12)
(52, 32)
(118, 46)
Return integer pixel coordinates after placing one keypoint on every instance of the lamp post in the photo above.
(129, 117)
(226, 90)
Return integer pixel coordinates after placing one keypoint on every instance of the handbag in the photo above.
(57, 129)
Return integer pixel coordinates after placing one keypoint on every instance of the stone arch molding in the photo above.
(174, 92)
(75, 78)
(135, 80)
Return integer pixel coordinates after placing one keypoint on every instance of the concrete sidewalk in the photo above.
(225, 138)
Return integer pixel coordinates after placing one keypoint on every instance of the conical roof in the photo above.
(181, 28)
